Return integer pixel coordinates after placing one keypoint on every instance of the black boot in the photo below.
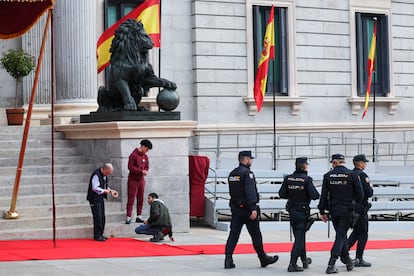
(331, 269)
(348, 262)
(267, 260)
(306, 262)
(228, 262)
(294, 268)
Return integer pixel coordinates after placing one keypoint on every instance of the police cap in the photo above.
(337, 156)
(246, 153)
(146, 143)
(302, 160)
(360, 157)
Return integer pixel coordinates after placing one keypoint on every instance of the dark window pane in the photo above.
(277, 74)
(365, 29)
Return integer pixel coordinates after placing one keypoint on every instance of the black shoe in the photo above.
(294, 268)
(138, 220)
(157, 237)
(348, 262)
(267, 260)
(331, 269)
(100, 239)
(306, 262)
(361, 263)
(105, 237)
(228, 262)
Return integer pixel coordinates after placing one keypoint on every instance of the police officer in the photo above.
(360, 232)
(298, 188)
(244, 210)
(341, 189)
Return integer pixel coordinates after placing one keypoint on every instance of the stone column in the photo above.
(75, 39)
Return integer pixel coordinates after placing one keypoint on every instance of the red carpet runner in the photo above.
(126, 247)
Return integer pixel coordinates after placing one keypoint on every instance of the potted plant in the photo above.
(18, 64)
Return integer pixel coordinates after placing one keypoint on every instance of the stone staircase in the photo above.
(34, 204)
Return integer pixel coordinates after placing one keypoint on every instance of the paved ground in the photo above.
(385, 262)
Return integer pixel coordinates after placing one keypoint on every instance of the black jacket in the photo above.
(298, 188)
(341, 187)
(242, 188)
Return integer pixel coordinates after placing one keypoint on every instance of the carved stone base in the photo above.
(129, 116)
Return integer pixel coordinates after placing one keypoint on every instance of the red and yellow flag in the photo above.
(370, 67)
(148, 13)
(268, 52)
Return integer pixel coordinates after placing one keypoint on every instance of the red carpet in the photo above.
(127, 247)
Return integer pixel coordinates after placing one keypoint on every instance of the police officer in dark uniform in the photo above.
(298, 188)
(341, 190)
(360, 232)
(245, 211)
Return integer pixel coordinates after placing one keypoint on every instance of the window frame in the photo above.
(290, 99)
(280, 62)
(380, 82)
(357, 102)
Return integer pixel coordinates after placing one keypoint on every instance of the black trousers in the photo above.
(360, 235)
(98, 214)
(298, 220)
(240, 217)
(341, 225)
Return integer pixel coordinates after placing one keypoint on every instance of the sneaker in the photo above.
(331, 269)
(361, 263)
(306, 263)
(267, 260)
(294, 268)
(139, 220)
(128, 220)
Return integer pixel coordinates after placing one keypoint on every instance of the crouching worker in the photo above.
(159, 223)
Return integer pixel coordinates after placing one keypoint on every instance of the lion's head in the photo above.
(131, 43)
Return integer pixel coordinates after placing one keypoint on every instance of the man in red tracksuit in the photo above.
(138, 167)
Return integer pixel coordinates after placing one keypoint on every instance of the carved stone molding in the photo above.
(294, 103)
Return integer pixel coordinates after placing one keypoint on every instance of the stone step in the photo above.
(32, 135)
(35, 152)
(61, 221)
(65, 188)
(62, 209)
(29, 180)
(45, 199)
(112, 229)
(58, 169)
(19, 129)
(44, 160)
(16, 143)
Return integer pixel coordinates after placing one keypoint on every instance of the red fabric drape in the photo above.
(17, 17)
(198, 172)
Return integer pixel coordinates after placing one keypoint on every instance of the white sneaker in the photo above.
(128, 220)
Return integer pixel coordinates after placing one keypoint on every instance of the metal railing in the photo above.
(219, 145)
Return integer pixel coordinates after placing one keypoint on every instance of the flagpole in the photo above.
(373, 108)
(373, 121)
(159, 55)
(274, 130)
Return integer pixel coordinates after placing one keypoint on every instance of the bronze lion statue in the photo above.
(130, 74)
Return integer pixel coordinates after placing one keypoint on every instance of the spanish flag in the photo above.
(370, 67)
(148, 13)
(268, 52)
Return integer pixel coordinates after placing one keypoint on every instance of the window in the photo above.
(364, 23)
(116, 9)
(278, 68)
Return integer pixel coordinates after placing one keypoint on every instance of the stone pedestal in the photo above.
(168, 174)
